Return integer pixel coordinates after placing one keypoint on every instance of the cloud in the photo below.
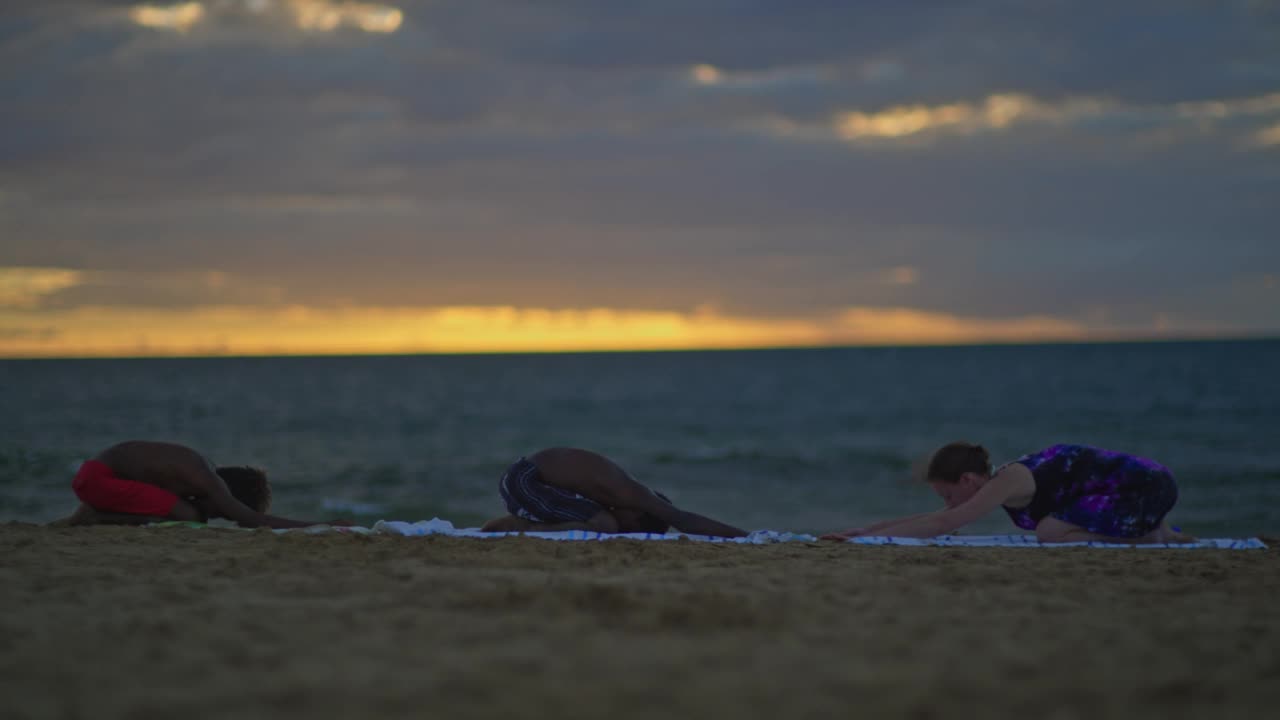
(178, 18)
(307, 15)
(1006, 111)
(940, 157)
(44, 290)
(710, 76)
(325, 15)
(911, 326)
(27, 337)
(26, 287)
(1268, 137)
(902, 275)
(996, 112)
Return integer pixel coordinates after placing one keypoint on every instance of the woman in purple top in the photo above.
(1065, 493)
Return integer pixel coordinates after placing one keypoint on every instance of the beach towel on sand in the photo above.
(436, 526)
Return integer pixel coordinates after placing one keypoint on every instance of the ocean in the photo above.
(804, 440)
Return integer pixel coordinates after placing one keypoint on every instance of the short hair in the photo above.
(952, 460)
(249, 485)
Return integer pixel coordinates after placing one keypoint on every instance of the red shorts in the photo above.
(97, 486)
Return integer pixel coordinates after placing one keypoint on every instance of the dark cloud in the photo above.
(564, 154)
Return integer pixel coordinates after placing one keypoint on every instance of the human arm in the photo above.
(224, 505)
(623, 492)
(991, 495)
(872, 529)
(215, 500)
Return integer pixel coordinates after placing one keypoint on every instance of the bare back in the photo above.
(598, 478)
(176, 468)
(589, 474)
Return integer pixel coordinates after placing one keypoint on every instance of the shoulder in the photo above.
(1013, 478)
(127, 451)
(563, 456)
(1014, 484)
(146, 446)
(573, 461)
(155, 456)
(1035, 459)
(581, 471)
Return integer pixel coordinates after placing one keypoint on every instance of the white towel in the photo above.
(1031, 541)
(436, 526)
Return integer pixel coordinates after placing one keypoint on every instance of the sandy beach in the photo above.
(192, 623)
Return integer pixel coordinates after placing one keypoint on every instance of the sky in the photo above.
(321, 176)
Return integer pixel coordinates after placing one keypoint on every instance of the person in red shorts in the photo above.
(139, 481)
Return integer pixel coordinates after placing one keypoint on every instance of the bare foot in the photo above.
(84, 515)
(1177, 536)
(1166, 534)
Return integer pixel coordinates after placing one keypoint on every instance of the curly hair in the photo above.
(249, 485)
(952, 460)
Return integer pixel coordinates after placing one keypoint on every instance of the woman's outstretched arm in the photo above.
(947, 520)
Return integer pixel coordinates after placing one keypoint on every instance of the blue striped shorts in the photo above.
(528, 496)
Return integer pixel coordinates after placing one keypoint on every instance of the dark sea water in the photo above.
(801, 440)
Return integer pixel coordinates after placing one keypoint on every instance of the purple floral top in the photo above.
(1105, 492)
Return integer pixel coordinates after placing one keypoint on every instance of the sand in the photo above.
(193, 623)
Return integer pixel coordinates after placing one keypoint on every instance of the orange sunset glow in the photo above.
(34, 324)
(111, 332)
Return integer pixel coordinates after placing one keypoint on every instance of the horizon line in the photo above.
(1128, 340)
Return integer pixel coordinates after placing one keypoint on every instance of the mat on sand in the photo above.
(436, 526)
